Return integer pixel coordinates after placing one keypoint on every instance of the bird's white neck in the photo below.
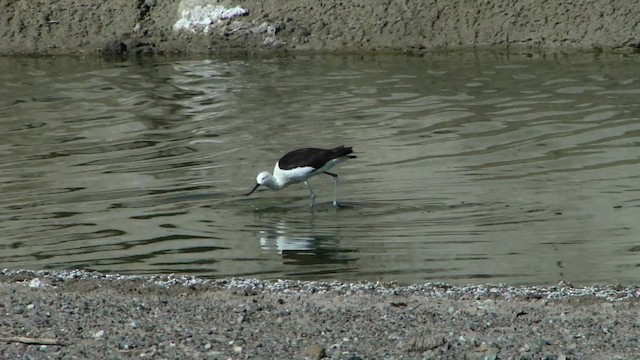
(273, 183)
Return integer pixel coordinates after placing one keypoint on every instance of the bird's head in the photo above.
(265, 179)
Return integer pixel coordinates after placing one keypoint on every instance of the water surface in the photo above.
(471, 168)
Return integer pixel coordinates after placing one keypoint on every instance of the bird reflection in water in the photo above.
(299, 244)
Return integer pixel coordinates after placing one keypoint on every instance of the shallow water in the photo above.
(470, 169)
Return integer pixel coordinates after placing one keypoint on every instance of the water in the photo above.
(471, 168)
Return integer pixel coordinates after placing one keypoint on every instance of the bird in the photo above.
(299, 165)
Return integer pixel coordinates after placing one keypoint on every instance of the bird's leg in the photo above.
(313, 195)
(335, 188)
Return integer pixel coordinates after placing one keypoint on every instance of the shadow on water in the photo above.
(471, 168)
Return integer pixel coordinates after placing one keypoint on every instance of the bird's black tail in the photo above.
(342, 150)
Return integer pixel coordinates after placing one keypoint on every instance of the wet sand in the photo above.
(147, 26)
(80, 314)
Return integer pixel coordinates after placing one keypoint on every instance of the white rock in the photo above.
(196, 17)
(36, 283)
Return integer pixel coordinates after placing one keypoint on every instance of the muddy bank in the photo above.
(147, 26)
(79, 314)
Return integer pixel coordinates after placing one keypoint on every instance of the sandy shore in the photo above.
(79, 314)
(148, 26)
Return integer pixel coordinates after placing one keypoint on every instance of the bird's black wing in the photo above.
(314, 157)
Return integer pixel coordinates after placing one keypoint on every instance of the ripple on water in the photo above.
(483, 169)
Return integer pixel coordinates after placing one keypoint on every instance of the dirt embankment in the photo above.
(117, 26)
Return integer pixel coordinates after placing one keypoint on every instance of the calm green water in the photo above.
(471, 168)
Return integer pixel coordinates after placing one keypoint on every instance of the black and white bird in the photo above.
(301, 164)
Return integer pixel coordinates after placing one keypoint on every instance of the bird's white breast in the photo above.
(295, 175)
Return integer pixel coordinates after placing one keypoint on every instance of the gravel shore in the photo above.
(82, 315)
